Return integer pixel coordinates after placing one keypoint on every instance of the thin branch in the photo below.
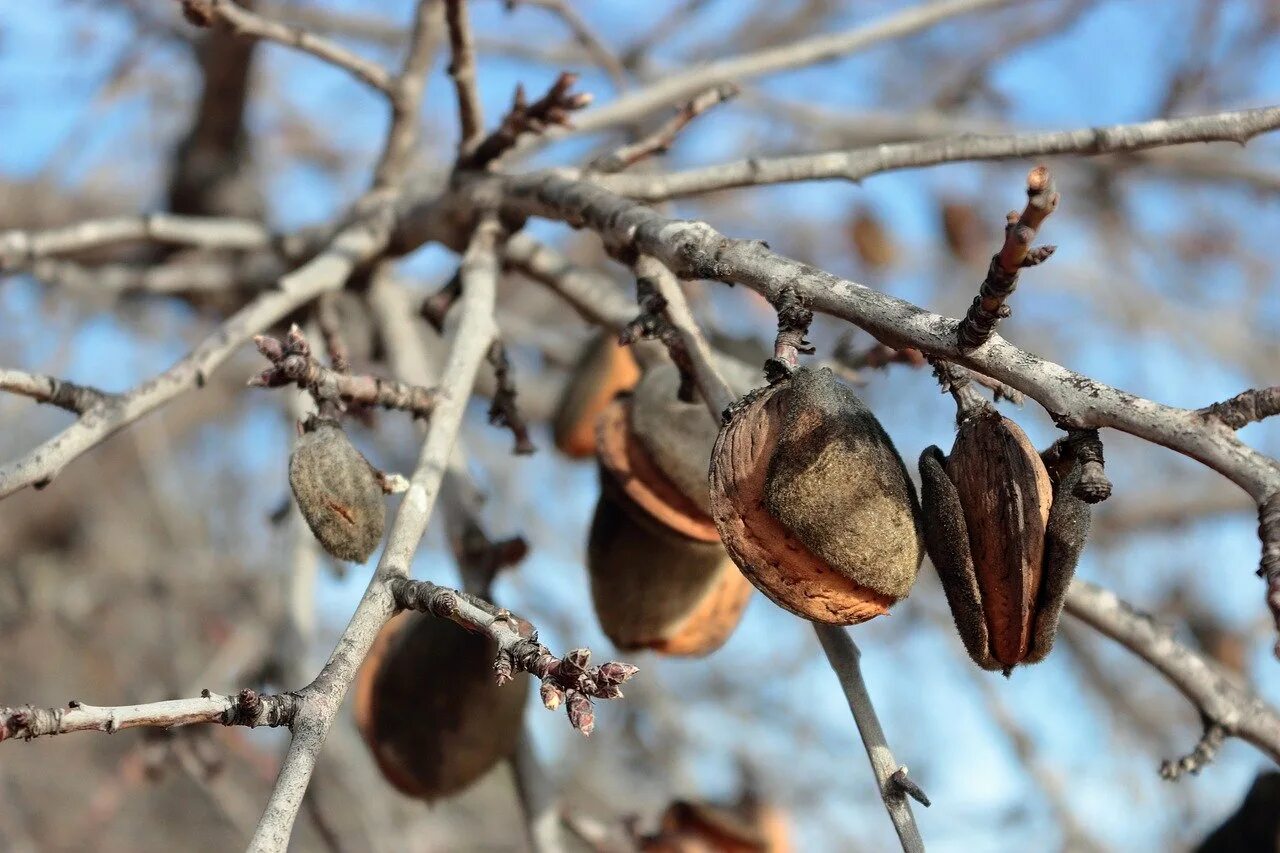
(594, 296)
(293, 364)
(322, 698)
(685, 84)
(1219, 696)
(246, 708)
(989, 306)
(859, 163)
(56, 392)
(522, 119)
(327, 271)
(715, 391)
(406, 98)
(661, 140)
(19, 249)
(245, 22)
(845, 659)
(462, 68)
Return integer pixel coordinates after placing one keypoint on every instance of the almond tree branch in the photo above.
(406, 93)
(584, 35)
(327, 271)
(685, 84)
(462, 68)
(661, 140)
(246, 708)
(293, 364)
(891, 778)
(321, 700)
(1219, 696)
(56, 392)
(858, 163)
(245, 22)
(19, 249)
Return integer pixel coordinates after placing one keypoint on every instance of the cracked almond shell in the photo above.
(337, 492)
(429, 709)
(1003, 539)
(603, 370)
(813, 502)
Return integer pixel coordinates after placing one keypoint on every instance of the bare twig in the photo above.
(462, 68)
(240, 19)
(660, 141)
(321, 699)
(246, 708)
(570, 680)
(293, 364)
(20, 249)
(56, 392)
(845, 659)
(685, 84)
(1221, 699)
(989, 306)
(859, 163)
(551, 110)
(327, 271)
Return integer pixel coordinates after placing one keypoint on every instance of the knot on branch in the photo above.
(570, 681)
(1083, 446)
(552, 109)
(28, 722)
(794, 319)
(899, 784)
(1016, 254)
(1247, 407)
(250, 708)
(199, 13)
(293, 364)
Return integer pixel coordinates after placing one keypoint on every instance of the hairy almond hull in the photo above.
(813, 502)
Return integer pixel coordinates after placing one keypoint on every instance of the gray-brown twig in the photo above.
(293, 364)
(989, 306)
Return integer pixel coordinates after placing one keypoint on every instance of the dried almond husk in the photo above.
(337, 491)
(655, 588)
(429, 708)
(813, 502)
(604, 369)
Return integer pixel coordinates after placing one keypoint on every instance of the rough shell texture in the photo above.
(627, 463)
(1005, 494)
(656, 589)
(1024, 632)
(337, 492)
(679, 436)
(604, 369)
(813, 502)
(429, 709)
